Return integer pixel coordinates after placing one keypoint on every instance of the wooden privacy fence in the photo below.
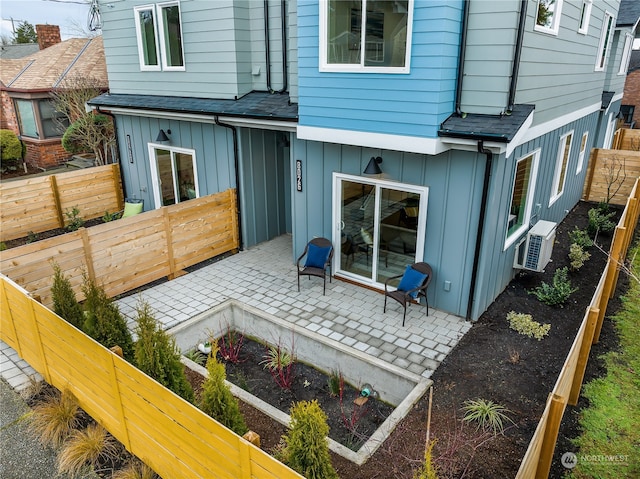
(537, 460)
(626, 139)
(127, 253)
(39, 204)
(611, 171)
(173, 437)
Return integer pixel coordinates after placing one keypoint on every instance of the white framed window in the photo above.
(521, 204)
(583, 152)
(562, 162)
(370, 36)
(605, 41)
(159, 35)
(585, 16)
(173, 174)
(548, 16)
(626, 54)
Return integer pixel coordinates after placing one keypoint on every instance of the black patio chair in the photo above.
(413, 285)
(319, 253)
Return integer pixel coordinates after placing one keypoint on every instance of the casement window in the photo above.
(39, 119)
(626, 54)
(548, 16)
(585, 16)
(524, 185)
(583, 152)
(605, 41)
(562, 162)
(174, 174)
(365, 35)
(159, 33)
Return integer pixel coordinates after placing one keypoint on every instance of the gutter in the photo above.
(517, 54)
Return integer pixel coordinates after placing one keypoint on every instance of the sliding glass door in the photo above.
(379, 227)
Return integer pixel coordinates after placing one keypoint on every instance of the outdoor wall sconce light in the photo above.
(373, 168)
(162, 137)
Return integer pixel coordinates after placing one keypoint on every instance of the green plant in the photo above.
(32, 237)
(580, 237)
(230, 345)
(10, 146)
(74, 221)
(85, 449)
(55, 417)
(280, 363)
(600, 221)
(427, 469)
(305, 447)
(65, 304)
(217, 400)
(135, 469)
(334, 383)
(196, 356)
(107, 217)
(578, 256)
(488, 415)
(524, 324)
(157, 355)
(3, 246)
(556, 293)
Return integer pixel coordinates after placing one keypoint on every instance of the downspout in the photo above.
(483, 210)
(517, 54)
(236, 163)
(115, 133)
(461, 53)
(283, 17)
(266, 44)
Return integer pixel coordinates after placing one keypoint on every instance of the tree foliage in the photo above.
(25, 33)
(65, 304)
(10, 146)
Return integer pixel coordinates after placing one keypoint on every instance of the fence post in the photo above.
(118, 397)
(12, 324)
(88, 254)
(245, 458)
(117, 185)
(593, 159)
(583, 356)
(56, 200)
(167, 230)
(556, 409)
(38, 338)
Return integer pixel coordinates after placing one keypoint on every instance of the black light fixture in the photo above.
(373, 168)
(162, 137)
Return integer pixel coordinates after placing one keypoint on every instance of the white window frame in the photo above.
(585, 17)
(155, 177)
(533, 177)
(555, 22)
(160, 34)
(583, 150)
(360, 68)
(564, 151)
(136, 13)
(606, 39)
(626, 54)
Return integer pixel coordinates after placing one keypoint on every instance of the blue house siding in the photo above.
(411, 104)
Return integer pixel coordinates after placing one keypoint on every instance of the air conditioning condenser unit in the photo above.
(534, 251)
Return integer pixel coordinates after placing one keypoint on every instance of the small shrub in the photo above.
(32, 237)
(65, 304)
(600, 221)
(108, 217)
(74, 221)
(488, 415)
(3, 246)
(10, 146)
(334, 383)
(135, 469)
(524, 324)
(558, 292)
(427, 470)
(85, 449)
(280, 363)
(197, 357)
(578, 256)
(305, 447)
(54, 418)
(157, 355)
(580, 237)
(217, 400)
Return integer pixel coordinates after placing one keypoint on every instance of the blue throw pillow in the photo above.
(317, 256)
(410, 280)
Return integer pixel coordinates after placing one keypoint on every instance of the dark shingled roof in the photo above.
(607, 96)
(257, 105)
(501, 128)
(18, 50)
(628, 13)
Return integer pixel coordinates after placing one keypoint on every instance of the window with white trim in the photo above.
(605, 41)
(562, 162)
(585, 16)
(365, 35)
(524, 185)
(626, 54)
(548, 16)
(583, 150)
(159, 35)
(174, 174)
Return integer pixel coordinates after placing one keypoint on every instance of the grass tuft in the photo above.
(54, 418)
(135, 469)
(488, 415)
(85, 449)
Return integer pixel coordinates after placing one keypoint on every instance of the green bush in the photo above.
(524, 324)
(600, 221)
(10, 146)
(578, 256)
(74, 139)
(217, 400)
(65, 304)
(156, 354)
(103, 320)
(74, 221)
(305, 446)
(558, 292)
(581, 238)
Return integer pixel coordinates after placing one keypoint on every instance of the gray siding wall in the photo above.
(614, 81)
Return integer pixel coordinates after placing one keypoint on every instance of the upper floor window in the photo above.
(524, 185)
(548, 16)
(39, 119)
(585, 16)
(159, 33)
(626, 54)
(562, 162)
(605, 41)
(365, 35)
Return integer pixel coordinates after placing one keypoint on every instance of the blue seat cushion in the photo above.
(411, 279)
(317, 256)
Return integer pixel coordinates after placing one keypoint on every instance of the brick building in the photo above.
(630, 107)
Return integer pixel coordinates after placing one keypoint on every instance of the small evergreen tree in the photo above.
(65, 304)
(25, 33)
(103, 320)
(306, 449)
(156, 354)
(217, 400)
(10, 147)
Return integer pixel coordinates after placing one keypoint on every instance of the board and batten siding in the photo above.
(413, 104)
(455, 188)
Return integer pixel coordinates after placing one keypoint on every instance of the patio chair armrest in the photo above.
(389, 279)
